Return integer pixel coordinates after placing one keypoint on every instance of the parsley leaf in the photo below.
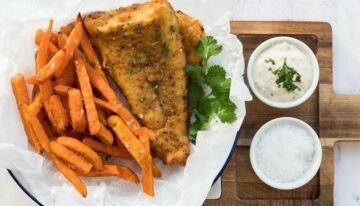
(206, 105)
(270, 60)
(215, 75)
(208, 47)
(194, 72)
(165, 49)
(194, 94)
(286, 77)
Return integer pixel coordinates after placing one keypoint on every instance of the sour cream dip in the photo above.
(265, 80)
(283, 72)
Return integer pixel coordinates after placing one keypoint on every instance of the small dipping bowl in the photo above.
(307, 174)
(303, 48)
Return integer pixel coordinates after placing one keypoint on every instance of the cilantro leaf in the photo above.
(194, 72)
(227, 113)
(194, 94)
(221, 88)
(208, 47)
(215, 75)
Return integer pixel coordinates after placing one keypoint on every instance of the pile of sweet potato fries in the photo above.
(75, 114)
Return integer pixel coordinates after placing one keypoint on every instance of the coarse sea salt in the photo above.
(285, 152)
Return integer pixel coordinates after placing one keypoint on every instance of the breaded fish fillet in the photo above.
(191, 30)
(142, 49)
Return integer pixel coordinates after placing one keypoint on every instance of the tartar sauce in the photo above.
(265, 79)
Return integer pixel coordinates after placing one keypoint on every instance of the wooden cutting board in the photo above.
(335, 117)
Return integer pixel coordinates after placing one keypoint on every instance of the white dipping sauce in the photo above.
(285, 152)
(264, 80)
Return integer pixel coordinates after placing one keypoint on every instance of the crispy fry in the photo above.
(147, 168)
(37, 128)
(40, 34)
(22, 99)
(114, 170)
(36, 104)
(104, 104)
(102, 116)
(155, 170)
(77, 111)
(89, 50)
(66, 30)
(62, 42)
(70, 157)
(49, 69)
(70, 175)
(100, 83)
(131, 143)
(58, 111)
(62, 57)
(67, 77)
(111, 150)
(82, 149)
(49, 129)
(62, 90)
(105, 135)
(52, 49)
(87, 94)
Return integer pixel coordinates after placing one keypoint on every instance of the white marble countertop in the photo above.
(345, 20)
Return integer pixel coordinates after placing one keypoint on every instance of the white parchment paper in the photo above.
(178, 186)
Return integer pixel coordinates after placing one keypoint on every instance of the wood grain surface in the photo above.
(334, 117)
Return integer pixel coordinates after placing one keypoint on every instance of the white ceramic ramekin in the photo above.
(308, 174)
(266, 44)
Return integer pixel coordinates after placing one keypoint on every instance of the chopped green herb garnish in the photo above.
(270, 60)
(157, 36)
(286, 76)
(130, 71)
(217, 102)
(135, 60)
(162, 72)
(154, 86)
(165, 49)
(142, 99)
(138, 29)
(147, 61)
(92, 64)
(172, 28)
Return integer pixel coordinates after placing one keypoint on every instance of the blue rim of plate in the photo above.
(216, 178)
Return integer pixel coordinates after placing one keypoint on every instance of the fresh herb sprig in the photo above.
(286, 76)
(217, 102)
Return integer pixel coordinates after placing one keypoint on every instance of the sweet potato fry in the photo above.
(62, 42)
(22, 100)
(114, 170)
(37, 128)
(39, 35)
(111, 150)
(89, 50)
(100, 83)
(67, 77)
(77, 111)
(105, 135)
(62, 57)
(156, 171)
(102, 116)
(104, 104)
(36, 104)
(49, 129)
(147, 168)
(52, 49)
(70, 157)
(66, 30)
(62, 90)
(70, 175)
(129, 140)
(86, 91)
(49, 69)
(82, 149)
(58, 111)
